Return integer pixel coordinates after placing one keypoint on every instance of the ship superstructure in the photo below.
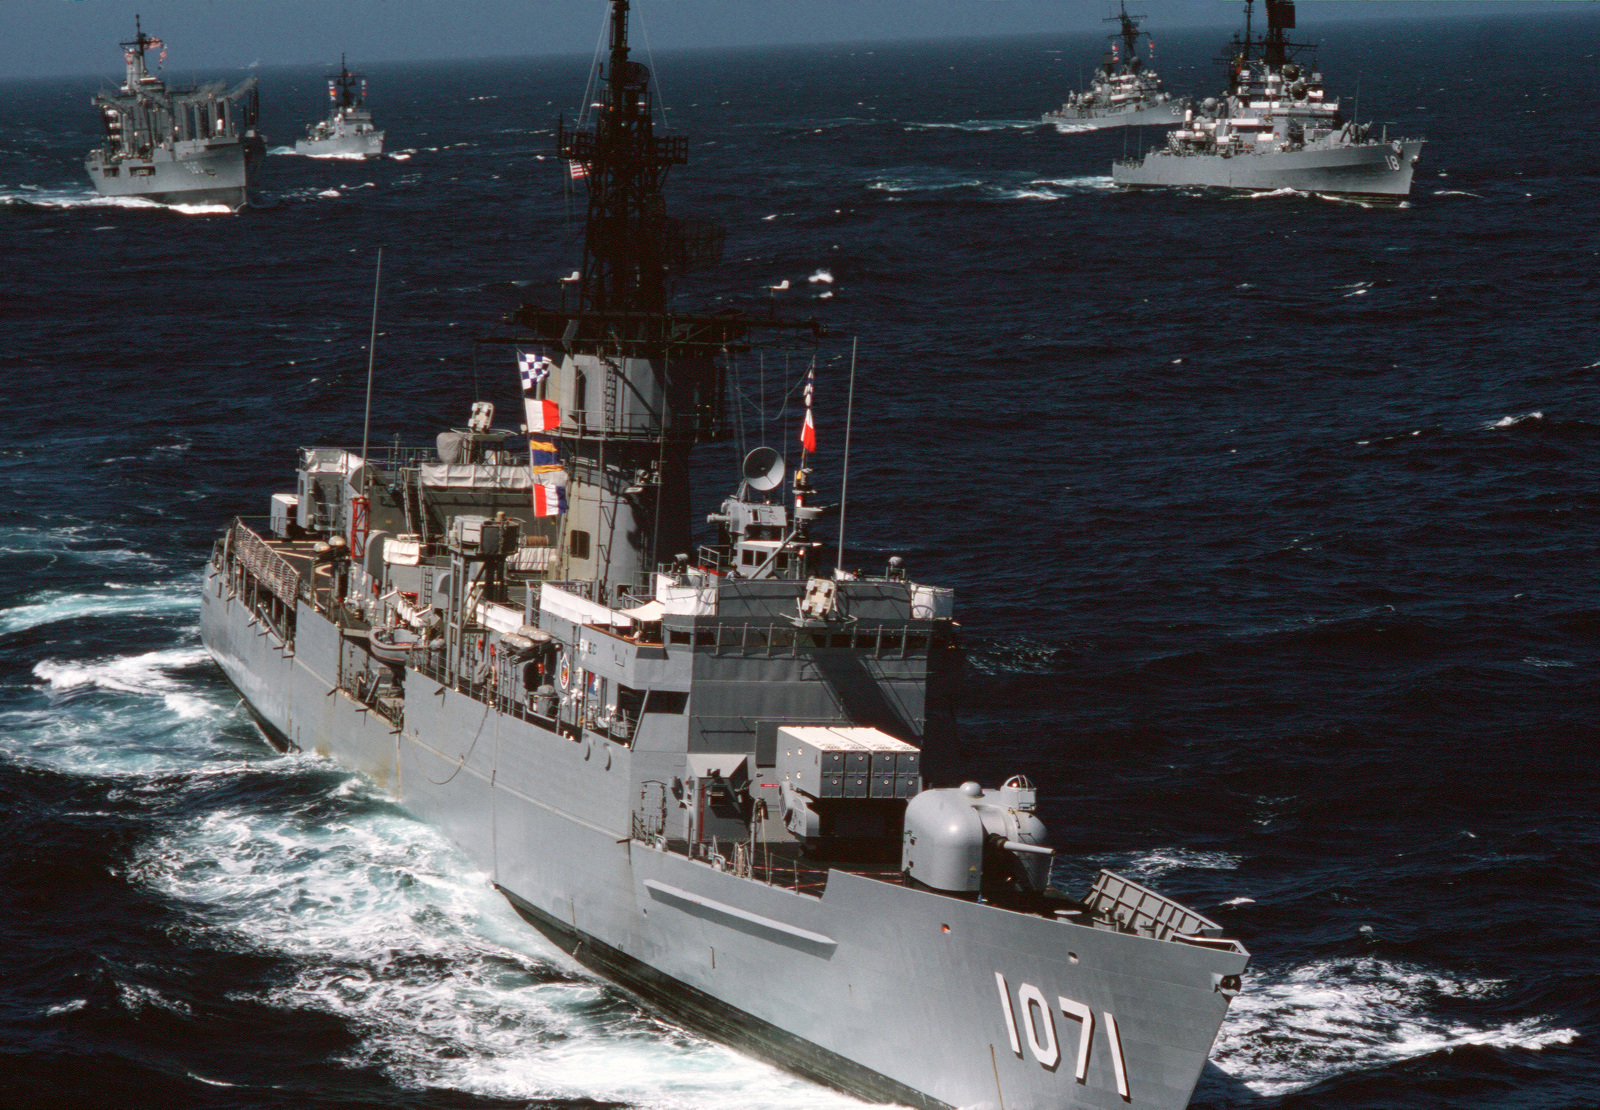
(1275, 127)
(1124, 91)
(699, 770)
(194, 146)
(349, 130)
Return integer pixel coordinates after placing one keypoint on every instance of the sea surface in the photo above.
(1273, 523)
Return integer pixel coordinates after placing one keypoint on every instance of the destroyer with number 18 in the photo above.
(698, 772)
(1275, 128)
(177, 146)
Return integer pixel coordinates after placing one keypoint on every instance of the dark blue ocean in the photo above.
(1273, 523)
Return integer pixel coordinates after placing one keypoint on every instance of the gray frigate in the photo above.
(194, 146)
(1123, 92)
(1275, 128)
(699, 771)
(349, 131)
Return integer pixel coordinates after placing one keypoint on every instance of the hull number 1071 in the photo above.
(1033, 1020)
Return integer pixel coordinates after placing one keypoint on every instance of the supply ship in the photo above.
(1124, 92)
(194, 146)
(698, 770)
(1276, 127)
(349, 131)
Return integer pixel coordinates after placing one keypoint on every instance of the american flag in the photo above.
(808, 430)
(577, 171)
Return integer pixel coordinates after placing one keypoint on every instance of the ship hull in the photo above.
(1169, 114)
(889, 993)
(1368, 170)
(205, 172)
(369, 145)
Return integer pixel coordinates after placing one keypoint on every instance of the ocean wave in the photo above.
(75, 544)
(57, 606)
(1332, 1017)
(390, 930)
(906, 185)
(1164, 861)
(1513, 421)
(146, 675)
(976, 125)
(1037, 189)
(75, 199)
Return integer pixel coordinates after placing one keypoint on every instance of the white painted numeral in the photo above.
(1042, 1042)
(1118, 1065)
(1031, 996)
(1086, 1034)
(1005, 1008)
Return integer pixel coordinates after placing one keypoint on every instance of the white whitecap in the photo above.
(55, 606)
(383, 925)
(824, 276)
(1290, 1028)
(1163, 861)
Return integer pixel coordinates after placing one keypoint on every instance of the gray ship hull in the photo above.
(888, 992)
(1169, 114)
(1380, 170)
(365, 145)
(224, 171)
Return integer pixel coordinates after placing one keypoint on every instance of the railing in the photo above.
(271, 569)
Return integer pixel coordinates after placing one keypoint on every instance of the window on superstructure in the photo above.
(578, 544)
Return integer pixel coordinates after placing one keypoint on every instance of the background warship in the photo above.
(1122, 93)
(700, 775)
(1275, 128)
(177, 146)
(349, 131)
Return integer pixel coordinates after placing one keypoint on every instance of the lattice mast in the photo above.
(625, 164)
(637, 385)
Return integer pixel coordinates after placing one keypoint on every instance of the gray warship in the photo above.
(177, 146)
(699, 771)
(349, 131)
(1275, 128)
(1123, 92)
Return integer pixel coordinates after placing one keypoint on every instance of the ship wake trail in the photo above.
(386, 928)
(1332, 1018)
(56, 606)
(375, 919)
(69, 199)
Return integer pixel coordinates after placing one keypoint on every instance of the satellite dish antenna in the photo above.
(763, 469)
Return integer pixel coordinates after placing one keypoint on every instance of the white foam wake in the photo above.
(1163, 861)
(75, 199)
(55, 606)
(391, 931)
(144, 675)
(1332, 1017)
